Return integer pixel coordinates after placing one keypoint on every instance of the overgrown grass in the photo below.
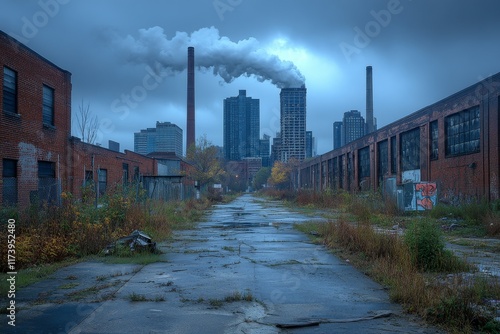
(49, 238)
(403, 264)
(419, 272)
(78, 229)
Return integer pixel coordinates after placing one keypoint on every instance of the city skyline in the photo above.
(165, 137)
(329, 43)
(241, 127)
(293, 112)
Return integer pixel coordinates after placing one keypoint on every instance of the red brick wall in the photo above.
(91, 157)
(475, 175)
(23, 137)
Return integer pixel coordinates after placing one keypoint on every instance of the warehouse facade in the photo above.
(452, 144)
(39, 157)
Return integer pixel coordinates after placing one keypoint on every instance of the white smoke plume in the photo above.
(225, 58)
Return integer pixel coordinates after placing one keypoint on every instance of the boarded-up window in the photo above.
(103, 180)
(9, 90)
(9, 182)
(47, 185)
(136, 174)
(48, 105)
(125, 174)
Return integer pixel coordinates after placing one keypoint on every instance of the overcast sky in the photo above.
(127, 58)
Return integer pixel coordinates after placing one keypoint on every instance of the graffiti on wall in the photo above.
(425, 195)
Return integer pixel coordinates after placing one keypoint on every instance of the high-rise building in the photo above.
(293, 123)
(241, 127)
(370, 122)
(275, 149)
(353, 126)
(190, 124)
(265, 150)
(310, 151)
(166, 137)
(337, 135)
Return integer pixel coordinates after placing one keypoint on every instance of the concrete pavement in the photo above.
(246, 249)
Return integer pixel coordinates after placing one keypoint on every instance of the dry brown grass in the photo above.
(387, 259)
(76, 229)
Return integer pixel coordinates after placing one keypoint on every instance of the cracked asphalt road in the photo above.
(243, 270)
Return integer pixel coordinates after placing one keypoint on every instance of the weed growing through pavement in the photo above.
(68, 286)
(233, 297)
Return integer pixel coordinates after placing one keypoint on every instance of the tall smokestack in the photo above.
(190, 135)
(369, 100)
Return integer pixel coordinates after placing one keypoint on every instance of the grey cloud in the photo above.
(228, 59)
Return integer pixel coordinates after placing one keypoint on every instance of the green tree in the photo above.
(205, 164)
(261, 177)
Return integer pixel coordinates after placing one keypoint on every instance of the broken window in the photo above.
(364, 162)
(462, 131)
(394, 156)
(382, 160)
(89, 178)
(434, 133)
(410, 150)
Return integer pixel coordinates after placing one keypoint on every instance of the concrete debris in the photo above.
(135, 241)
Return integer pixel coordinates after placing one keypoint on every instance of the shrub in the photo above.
(426, 245)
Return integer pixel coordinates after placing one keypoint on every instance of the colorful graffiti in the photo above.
(425, 195)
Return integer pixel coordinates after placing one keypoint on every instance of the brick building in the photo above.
(452, 143)
(39, 157)
(106, 168)
(35, 124)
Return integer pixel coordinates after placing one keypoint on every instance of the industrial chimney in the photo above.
(370, 124)
(190, 135)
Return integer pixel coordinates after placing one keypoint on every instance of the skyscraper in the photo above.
(370, 122)
(293, 123)
(241, 127)
(265, 150)
(353, 126)
(166, 137)
(310, 145)
(337, 135)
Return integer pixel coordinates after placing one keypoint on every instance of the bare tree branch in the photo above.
(88, 124)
